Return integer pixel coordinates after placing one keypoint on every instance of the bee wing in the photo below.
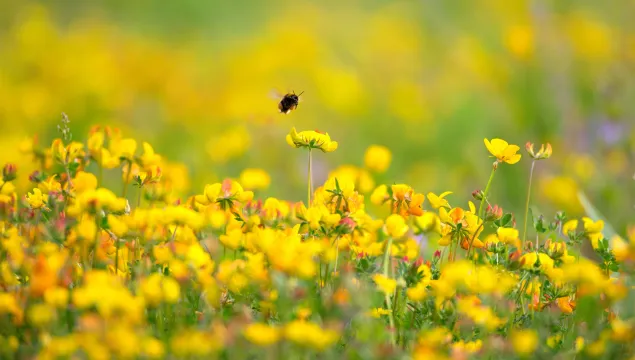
(275, 94)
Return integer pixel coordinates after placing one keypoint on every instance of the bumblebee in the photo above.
(289, 102)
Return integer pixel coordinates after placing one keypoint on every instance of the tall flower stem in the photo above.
(531, 175)
(337, 251)
(310, 176)
(391, 320)
(489, 183)
(125, 184)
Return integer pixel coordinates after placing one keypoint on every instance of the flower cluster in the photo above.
(87, 271)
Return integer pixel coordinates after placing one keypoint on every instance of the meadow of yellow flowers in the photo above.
(138, 272)
(173, 214)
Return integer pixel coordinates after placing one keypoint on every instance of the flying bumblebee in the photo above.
(289, 102)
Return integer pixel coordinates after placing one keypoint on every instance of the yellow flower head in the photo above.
(35, 199)
(396, 226)
(311, 139)
(385, 284)
(439, 201)
(377, 158)
(502, 151)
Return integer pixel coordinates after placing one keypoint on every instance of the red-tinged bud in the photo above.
(515, 255)
(437, 254)
(529, 246)
(493, 213)
(418, 262)
(9, 172)
(477, 195)
(347, 225)
(405, 259)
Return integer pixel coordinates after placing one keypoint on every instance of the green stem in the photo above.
(531, 175)
(96, 245)
(472, 240)
(391, 320)
(125, 184)
(101, 169)
(489, 183)
(117, 256)
(310, 175)
(139, 196)
(337, 252)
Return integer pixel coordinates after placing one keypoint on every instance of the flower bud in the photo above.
(493, 213)
(544, 152)
(9, 172)
(529, 246)
(347, 225)
(477, 195)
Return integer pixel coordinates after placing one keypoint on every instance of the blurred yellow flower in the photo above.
(524, 341)
(502, 151)
(261, 334)
(396, 226)
(385, 284)
(377, 158)
(378, 312)
(311, 139)
(254, 179)
(519, 39)
(310, 334)
(35, 199)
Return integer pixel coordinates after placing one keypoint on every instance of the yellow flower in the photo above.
(428, 222)
(158, 288)
(311, 139)
(508, 236)
(569, 227)
(385, 284)
(379, 195)
(41, 315)
(84, 181)
(396, 226)
(591, 227)
(149, 157)
(35, 199)
(524, 341)
(377, 158)
(310, 334)
(378, 312)
(252, 179)
(123, 148)
(261, 334)
(502, 151)
(439, 201)
(530, 259)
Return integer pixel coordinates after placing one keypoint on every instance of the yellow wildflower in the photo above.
(35, 199)
(439, 201)
(311, 139)
(502, 151)
(396, 226)
(385, 284)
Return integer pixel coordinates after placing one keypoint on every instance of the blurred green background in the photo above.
(428, 79)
